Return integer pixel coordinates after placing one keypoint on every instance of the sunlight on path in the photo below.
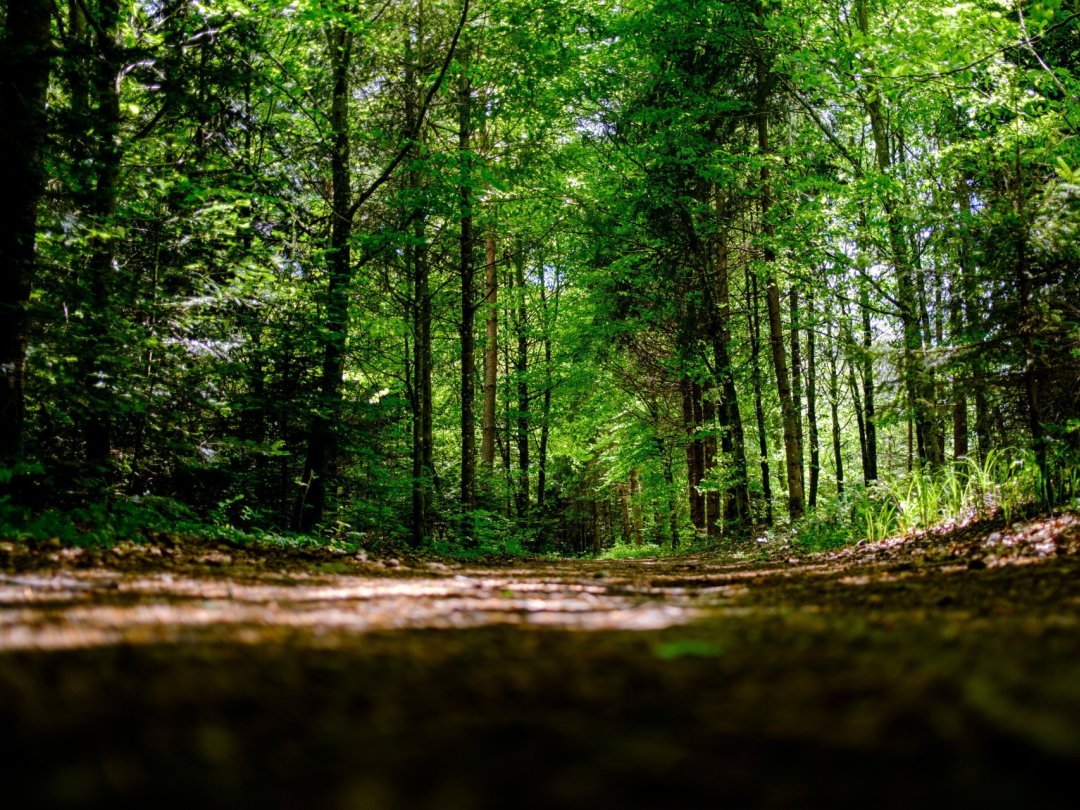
(85, 609)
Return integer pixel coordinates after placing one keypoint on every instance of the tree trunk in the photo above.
(597, 539)
(491, 350)
(24, 76)
(792, 447)
(102, 133)
(732, 435)
(693, 464)
(913, 373)
(869, 425)
(322, 449)
(795, 330)
(708, 446)
(521, 369)
(468, 307)
(834, 406)
(663, 448)
(635, 505)
(754, 308)
(811, 402)
(545, 415)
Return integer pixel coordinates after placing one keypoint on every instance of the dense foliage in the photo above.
(539, 274)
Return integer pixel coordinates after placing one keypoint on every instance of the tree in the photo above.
(24, 73)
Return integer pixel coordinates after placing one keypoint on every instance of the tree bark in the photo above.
(693, 464)
(834, 406)
(323, 439)
(919, 393)
(467, 268)
(24, 77)
(869, 424)
(101, 134)
(635, 505)
(491, 350)
(792, 447)
(754, 308)
(811, 402)
(521, 369)
(795, 328)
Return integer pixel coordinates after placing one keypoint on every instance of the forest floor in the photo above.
(941, 668)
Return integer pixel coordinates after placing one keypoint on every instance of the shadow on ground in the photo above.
(940, 669)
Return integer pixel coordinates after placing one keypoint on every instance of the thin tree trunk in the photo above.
(870, 443)
(919, 395)
(468, 307)
(596, 529)
(834, 406)
(697, 517)
(491, 350)
(1032, 382)
(811, 402)
(959, 391)
(732, 435)
(24, 76)
(545, 414)
(708, 446)
(755, 380)
(635, 505)
(521, 368)
(795, 330)
(323, 438)
(792, 446)
(668, 465)
(103, 131)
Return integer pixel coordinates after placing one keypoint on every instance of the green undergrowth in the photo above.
(1006, 483)
(147, 519)
(629, 551)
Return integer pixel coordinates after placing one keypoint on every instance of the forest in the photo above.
(537, 275)
(473, 404)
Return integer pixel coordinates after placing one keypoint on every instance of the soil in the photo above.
(937, 669)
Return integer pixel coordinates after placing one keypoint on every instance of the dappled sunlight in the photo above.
(98, 608)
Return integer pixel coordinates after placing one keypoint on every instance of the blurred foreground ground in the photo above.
(943, 669)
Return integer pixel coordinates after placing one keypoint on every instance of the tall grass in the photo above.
(1004, 483)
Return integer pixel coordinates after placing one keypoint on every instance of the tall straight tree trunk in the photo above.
(834, 405)
(521, 369)
(491, 350)
(322, 447)
(792, 447)
(811, 401)
(754, 307)
(545, 413)
(959, 391)
(697, 403)
(1032, 377)
(709, 460)
(24, 77)
(869, 430)
(423, 466)
(506, 441)
(668, 465)
(795, 328)
(693, 465)
(468, 306)
(856, 399)
(917, 389)
(100, 132)
(635, 505)
(732, 434)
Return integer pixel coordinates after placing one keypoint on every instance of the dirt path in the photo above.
(940, 670)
